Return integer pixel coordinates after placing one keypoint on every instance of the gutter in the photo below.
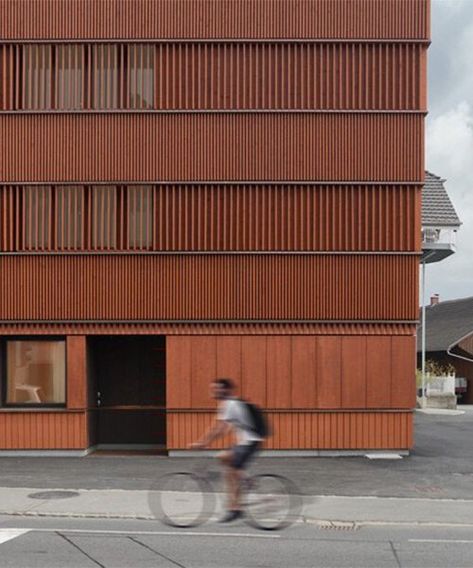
(469, 359)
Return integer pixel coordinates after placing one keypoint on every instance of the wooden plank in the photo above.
(76, 372)
(403, 365)
(378, 372)
(328, 372)
(229, 359)
(303, 372)
(253, 369)
(353, 372)
(203, 371)
(278, 360)
(178, 371)
(357, 430)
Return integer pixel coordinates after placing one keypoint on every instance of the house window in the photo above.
(69, 78)
(35, 372)
(10, 77)
(39, 77)
(140, 76)
(105, 76)
(104, 217)
(69, 217)
(140, 216)
(36, 220)
(36, 77)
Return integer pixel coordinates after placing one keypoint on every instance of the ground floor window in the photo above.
(34, 372)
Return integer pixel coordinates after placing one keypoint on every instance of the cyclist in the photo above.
(232, 415)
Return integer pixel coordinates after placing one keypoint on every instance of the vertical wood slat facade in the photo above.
(211, 147)
(36, 430)
(293, 372)
(372, 430)
(218, 287)
(215, 76)
(207, 19)
(213, 218)
(227, 104)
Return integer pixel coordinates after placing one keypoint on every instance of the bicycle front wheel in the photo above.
(272, 502)
(182, 500)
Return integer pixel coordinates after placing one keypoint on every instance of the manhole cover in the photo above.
(53, 494)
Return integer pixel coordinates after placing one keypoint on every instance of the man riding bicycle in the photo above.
(232, 415)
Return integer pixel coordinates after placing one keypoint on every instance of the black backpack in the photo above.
(258, 419)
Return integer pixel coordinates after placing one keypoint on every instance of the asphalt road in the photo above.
(441, 465)
(51, 543)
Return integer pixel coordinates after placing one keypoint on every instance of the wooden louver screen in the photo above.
(210, 76)
(74, 218)
(209, 218)
(76, 77)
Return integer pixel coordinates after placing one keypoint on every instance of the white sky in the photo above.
(449, 136)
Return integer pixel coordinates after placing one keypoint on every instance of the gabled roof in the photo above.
(437, 209)
(446, 324)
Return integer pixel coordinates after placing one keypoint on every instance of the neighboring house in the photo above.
(192, 189)
(449, 337)
(448, 324)
(440, 221)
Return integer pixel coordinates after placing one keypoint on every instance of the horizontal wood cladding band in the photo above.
(236, 19)
(213, 218)
(211, 147)
(199, 328)
(208, 287)
(43, 430)
(369, 77)
(305, 431)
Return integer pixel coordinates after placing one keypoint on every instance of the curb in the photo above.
(320, 523)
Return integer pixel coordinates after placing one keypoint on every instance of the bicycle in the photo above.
(186, 499)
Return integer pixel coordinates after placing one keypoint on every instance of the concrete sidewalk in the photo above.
(133, 504)
(440, 466)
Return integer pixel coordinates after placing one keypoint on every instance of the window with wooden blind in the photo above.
(140, 216)
(75, 218)
(104, 75)
(36, 218)
(69, 80)
(10, 77)
(36, 77)
(76, 77)
(140, 76)
(69, 217)
(103, 217)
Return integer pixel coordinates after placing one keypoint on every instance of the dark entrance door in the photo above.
(127, 376)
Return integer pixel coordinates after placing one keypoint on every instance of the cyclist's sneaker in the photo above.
(231, 515)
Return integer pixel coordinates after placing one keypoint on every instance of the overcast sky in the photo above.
(449, 136)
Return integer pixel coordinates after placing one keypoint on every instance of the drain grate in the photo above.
(338, 526)
(54, 495)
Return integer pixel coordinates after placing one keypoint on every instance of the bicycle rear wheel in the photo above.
(182, 500)
(272, 502)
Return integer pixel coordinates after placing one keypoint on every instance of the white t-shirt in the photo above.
(234, 411)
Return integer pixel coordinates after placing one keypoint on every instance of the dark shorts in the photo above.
(242, 454)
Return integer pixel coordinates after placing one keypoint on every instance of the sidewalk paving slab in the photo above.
(133, 504)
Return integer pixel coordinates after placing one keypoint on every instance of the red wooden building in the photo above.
(194, 188)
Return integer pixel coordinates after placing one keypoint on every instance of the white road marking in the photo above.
(9, 534)
(158, 533)
(441, 540)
